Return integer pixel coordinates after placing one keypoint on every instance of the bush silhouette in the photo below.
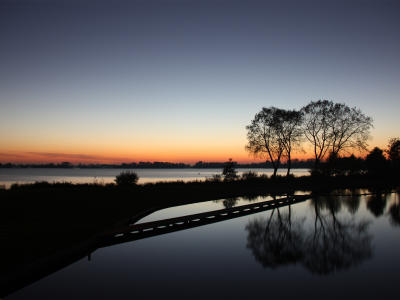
(126, 178)
(376, 162)
(216, 178)
(250, 175)
(229, 171)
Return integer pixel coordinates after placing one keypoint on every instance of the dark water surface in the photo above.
(327, 247)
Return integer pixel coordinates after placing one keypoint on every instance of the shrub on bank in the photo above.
(41, 185)
(126, 178)
(250, 175)
(215, 178)
(58, 184)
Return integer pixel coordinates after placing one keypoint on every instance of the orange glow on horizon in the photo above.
(118, 158)
(127, 151)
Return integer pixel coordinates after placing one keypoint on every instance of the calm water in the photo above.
(336, 247)
(9, 176)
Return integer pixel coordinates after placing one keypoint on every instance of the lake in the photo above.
(325, 247)
(9, 176)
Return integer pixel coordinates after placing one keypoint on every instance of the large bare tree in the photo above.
(350, 129)
(316, 128)
(288, 129)
(334, 129)
(263, 141)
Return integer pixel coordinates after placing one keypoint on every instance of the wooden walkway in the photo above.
(133, 232)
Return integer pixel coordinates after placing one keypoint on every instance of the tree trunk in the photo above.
(316, 165)
(289, 165)
(275, 170)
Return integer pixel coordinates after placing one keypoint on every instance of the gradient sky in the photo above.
(129, 81)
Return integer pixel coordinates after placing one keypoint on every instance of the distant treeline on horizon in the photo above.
(296, 163)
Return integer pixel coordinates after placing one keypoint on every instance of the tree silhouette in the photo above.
(263, 141)
(316, 128)
(393, 153)
(350, 129)
(229, 171)
(376, 162)
(334, 128)
(287, 125)
(394, 149)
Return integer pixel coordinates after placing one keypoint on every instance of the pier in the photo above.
(134, 232)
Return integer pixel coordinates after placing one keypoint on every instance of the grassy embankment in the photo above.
(41, 220)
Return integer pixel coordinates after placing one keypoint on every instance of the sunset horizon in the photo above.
(76, 158)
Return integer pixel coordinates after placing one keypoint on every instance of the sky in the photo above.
(178, 81)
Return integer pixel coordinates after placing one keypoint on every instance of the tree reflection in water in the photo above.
(394, 212)
(251, 198)
(352, 204)
(276, 241)
(332, 243)
(232, 202)
(228, 203)
(377, 204)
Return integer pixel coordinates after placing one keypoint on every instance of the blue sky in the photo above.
(180, 80)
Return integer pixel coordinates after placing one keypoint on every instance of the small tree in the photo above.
(376, 162)
(126, 178)
(394, 150)
(393, 154)
(66, 164)
(229, 171)
(352, 165)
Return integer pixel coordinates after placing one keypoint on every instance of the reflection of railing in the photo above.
(140, 231)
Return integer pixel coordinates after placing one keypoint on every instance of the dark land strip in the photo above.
(36, 224)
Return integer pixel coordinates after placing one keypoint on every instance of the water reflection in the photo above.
(277, 240)
(376, 204)
(394, 212)
(352, 204)
(232, 202)
(251, 198)
(326, 236)
(333, 243)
